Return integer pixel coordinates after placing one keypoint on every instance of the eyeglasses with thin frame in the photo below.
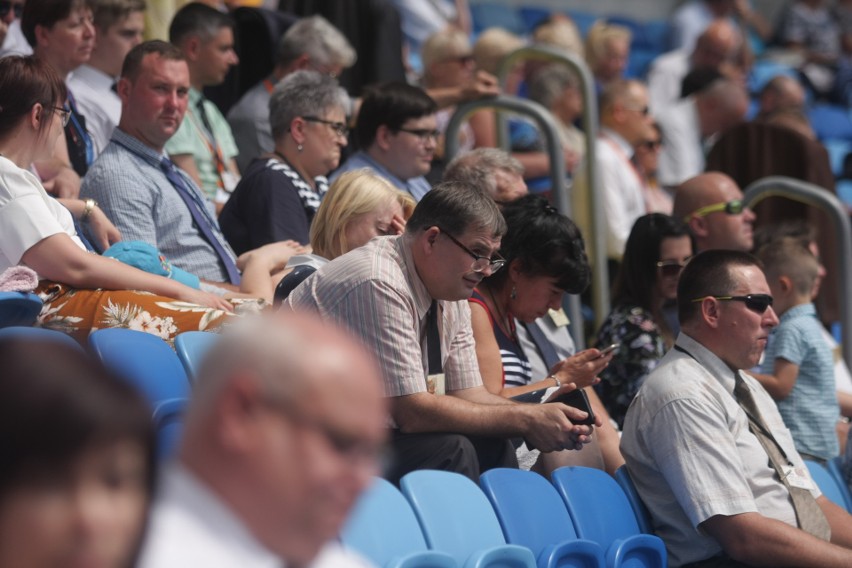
(670, 268)
(733, 207)
(6, 7)
(480, 262)
(339, 128)
(64, 115)
(758, 303)
(424, 134)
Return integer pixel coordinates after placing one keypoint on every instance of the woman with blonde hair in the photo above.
(607, 51)
(359, 205)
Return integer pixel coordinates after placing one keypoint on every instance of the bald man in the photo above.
(283, 432)
(716, 48)
(711, 205)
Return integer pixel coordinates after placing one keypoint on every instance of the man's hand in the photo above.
(481, 85)
(551, 427)
(64, 185)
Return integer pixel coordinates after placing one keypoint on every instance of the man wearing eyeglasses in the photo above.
(284, 430)
(706, 446)
(397, 134)
(711, 204)
(406, 298)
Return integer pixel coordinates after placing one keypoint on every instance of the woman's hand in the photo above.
(274, 255)
(582, 368)
(101, 229)
(205, 299)
(397, 225)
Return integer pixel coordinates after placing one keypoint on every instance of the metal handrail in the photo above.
(589, 121)
(557, 167)
(815, 196)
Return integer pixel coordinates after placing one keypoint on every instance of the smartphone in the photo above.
(532, 396)
(607, 350)
(578, 399)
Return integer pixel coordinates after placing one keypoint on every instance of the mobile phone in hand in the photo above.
(607, 350)
(578, 399)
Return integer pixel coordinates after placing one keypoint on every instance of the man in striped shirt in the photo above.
(385, 290)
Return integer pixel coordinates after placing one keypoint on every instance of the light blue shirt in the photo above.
(811, 410)
(417, 187)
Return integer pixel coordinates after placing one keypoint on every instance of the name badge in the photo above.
(229, 181)
(798, 477)
(559, 317)
(436, 384)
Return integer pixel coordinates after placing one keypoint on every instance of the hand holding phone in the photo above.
(579, 400)
(609, 349)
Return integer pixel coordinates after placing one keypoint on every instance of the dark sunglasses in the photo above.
(652, 144)
(671, 267)
(757, 303)
(734, 207)
(6, 6)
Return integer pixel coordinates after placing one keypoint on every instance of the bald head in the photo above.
(781, 93)
(721, 105)
(624, 109)
(285, 424)
(707, 202)
(719, 43)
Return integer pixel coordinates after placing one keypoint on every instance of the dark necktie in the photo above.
(202, 221)
(545, 348)
(78, 125)
(433, 339)
(205, 120)
(810, 516)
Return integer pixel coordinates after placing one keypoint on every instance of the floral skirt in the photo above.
(80, 312)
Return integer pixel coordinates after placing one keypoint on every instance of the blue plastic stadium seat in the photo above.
(601, 513)
(532, 515)
(826, 483)
(622, 477)
(19, 308)
(830, 121)
(144, 360)
(496, 14)
(382, 528)
(191, 347)
(456, 518)
(168, 420)
(836, 472)
(39, 333)
(584, 20)
(532, 16)
(844, 191)
(837, 148)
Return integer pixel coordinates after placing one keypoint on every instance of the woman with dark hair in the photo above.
(77, 466)
(545, 258)
(82, 291)
(656, 251)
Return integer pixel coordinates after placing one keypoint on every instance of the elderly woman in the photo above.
(545, 258)
(280, 192)
(607, 52)
(77, 465)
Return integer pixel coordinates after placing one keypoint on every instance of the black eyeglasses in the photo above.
(652, 144)
(64, 115)
(424, 134)
(6, 7)
(340, 128)
(644, 111)
(671, 267)
(480, 262)
(757, 303)
(733, 207)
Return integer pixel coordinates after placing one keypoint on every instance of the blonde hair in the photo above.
(560, 31)
(598, 38)
(492, 46)
(450, 41)
(352, 194)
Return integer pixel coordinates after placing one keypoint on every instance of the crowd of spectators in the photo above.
(432, 322)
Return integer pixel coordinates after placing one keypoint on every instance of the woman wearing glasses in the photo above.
(279, 193)
(544, 258)
(656, 251)
(82, 291)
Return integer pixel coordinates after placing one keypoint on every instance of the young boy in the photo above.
(798, 368)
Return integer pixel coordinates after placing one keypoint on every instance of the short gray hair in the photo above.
(319, 40)
(478, 167)
(303, 93)
(550, 82)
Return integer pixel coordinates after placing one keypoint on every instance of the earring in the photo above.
(514, 293)
(300, 147)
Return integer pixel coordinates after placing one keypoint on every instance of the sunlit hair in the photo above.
(200, 20)
(457, 207)
(303, 93)
(107, 13)
(492, 46)
(545, 243)
(599, 37)
(133, 61)
(319, 40)
(790, 257)
(709, 273)
(25, 82)
(353, 194)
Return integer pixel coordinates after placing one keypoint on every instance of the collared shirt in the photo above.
(691, 454)
(682, 155)
(97, 102)
(417, 187)
(249, 122)
(375, 291)
(811, 409)
(664, 79)
(191, 138)
(138, 198)
(621, 192)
